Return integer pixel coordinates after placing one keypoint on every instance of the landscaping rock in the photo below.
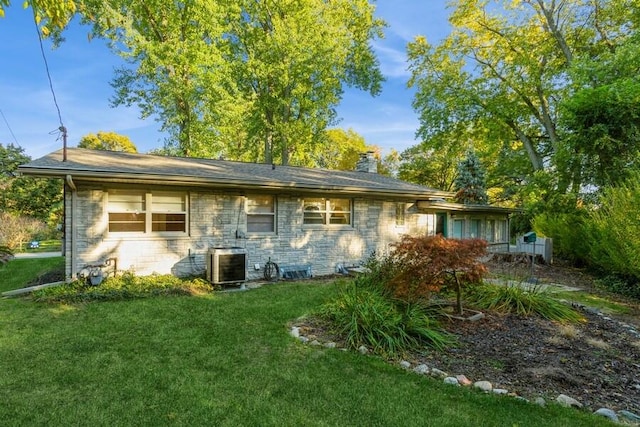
(363, 350)
(421, 369)
(500, 391)
(330, 344)
(435, 372)
(485, 386)
(629, 416)
(303, 339)
(476, 317)
(405, 364)
(607, 413)
(451, 381)
(540, 401)
(295, 332)
(568, 401)
(463, 380)
(315, 343)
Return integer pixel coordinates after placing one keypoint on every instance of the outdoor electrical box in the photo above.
(530, 237)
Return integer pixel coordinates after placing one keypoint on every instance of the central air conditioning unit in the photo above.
(226, 265)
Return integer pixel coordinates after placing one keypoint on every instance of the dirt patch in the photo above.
(48, 277)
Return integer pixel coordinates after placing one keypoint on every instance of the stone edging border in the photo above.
(622, 416)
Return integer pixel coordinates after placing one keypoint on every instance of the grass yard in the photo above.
(19, 272)
(220, 359)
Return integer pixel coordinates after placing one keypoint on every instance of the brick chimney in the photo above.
(367, 163)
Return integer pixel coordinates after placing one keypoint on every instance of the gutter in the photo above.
(74, 228)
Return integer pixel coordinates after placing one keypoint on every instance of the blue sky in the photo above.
(81, 71)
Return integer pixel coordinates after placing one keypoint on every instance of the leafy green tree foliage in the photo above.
(109, 141)
(51, 15)
(341, 151)
(505, 68)
(242, 79)
(25, 196)
(421, 164)
(470, 184)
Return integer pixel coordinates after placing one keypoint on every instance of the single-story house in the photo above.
(158, 214)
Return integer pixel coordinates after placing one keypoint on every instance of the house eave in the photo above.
(431, 205)
(242, 185)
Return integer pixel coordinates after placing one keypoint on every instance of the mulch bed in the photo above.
(596, 362)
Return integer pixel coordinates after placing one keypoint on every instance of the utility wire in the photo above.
(10, 130)
(46, 66)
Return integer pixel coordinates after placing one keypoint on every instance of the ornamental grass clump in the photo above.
(123, 287)
(365, 314)
(522, 300)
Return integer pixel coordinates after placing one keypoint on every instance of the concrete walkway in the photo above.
(37, 255)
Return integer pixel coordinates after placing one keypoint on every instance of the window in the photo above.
(327, 211)
(501, 230)
(474, 228)
(400, 214)
(491, 230)
(261, 214)
(458, 228)
(127, 212)
(142, 212)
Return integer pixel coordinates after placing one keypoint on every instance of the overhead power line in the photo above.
(62, 129)
(9, 127)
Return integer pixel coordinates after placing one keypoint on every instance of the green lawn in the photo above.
(19, 272)
(223, 360)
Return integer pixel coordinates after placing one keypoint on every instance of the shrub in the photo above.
(626, 286)
(614, 230)
(364, 315)
(123, 287)
(569, 234)
(424, 265)
(522, 300)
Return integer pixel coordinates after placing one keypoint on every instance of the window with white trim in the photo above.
(324, 211)
(261, 214)
(161, 212)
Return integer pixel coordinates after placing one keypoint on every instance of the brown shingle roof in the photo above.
(111, 166)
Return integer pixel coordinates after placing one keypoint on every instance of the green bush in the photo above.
(523, 300)
(615, 231)
(626, 286)
(364, 315)
(123, 287)
(569, 234)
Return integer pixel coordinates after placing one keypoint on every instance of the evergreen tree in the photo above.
(470, 184)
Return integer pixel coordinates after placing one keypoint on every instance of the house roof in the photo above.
(120, 167)
(431, 205)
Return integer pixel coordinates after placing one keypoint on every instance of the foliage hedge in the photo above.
(604, 236)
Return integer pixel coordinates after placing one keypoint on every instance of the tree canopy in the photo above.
(242, 79)
(501, 75)
(109, 141)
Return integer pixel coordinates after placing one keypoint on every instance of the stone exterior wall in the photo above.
(218, 219)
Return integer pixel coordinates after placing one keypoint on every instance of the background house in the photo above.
(162, 214)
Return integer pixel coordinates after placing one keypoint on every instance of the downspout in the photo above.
(72, 243)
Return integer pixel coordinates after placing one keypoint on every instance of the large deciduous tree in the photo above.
(249, 80)
(505, 68)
